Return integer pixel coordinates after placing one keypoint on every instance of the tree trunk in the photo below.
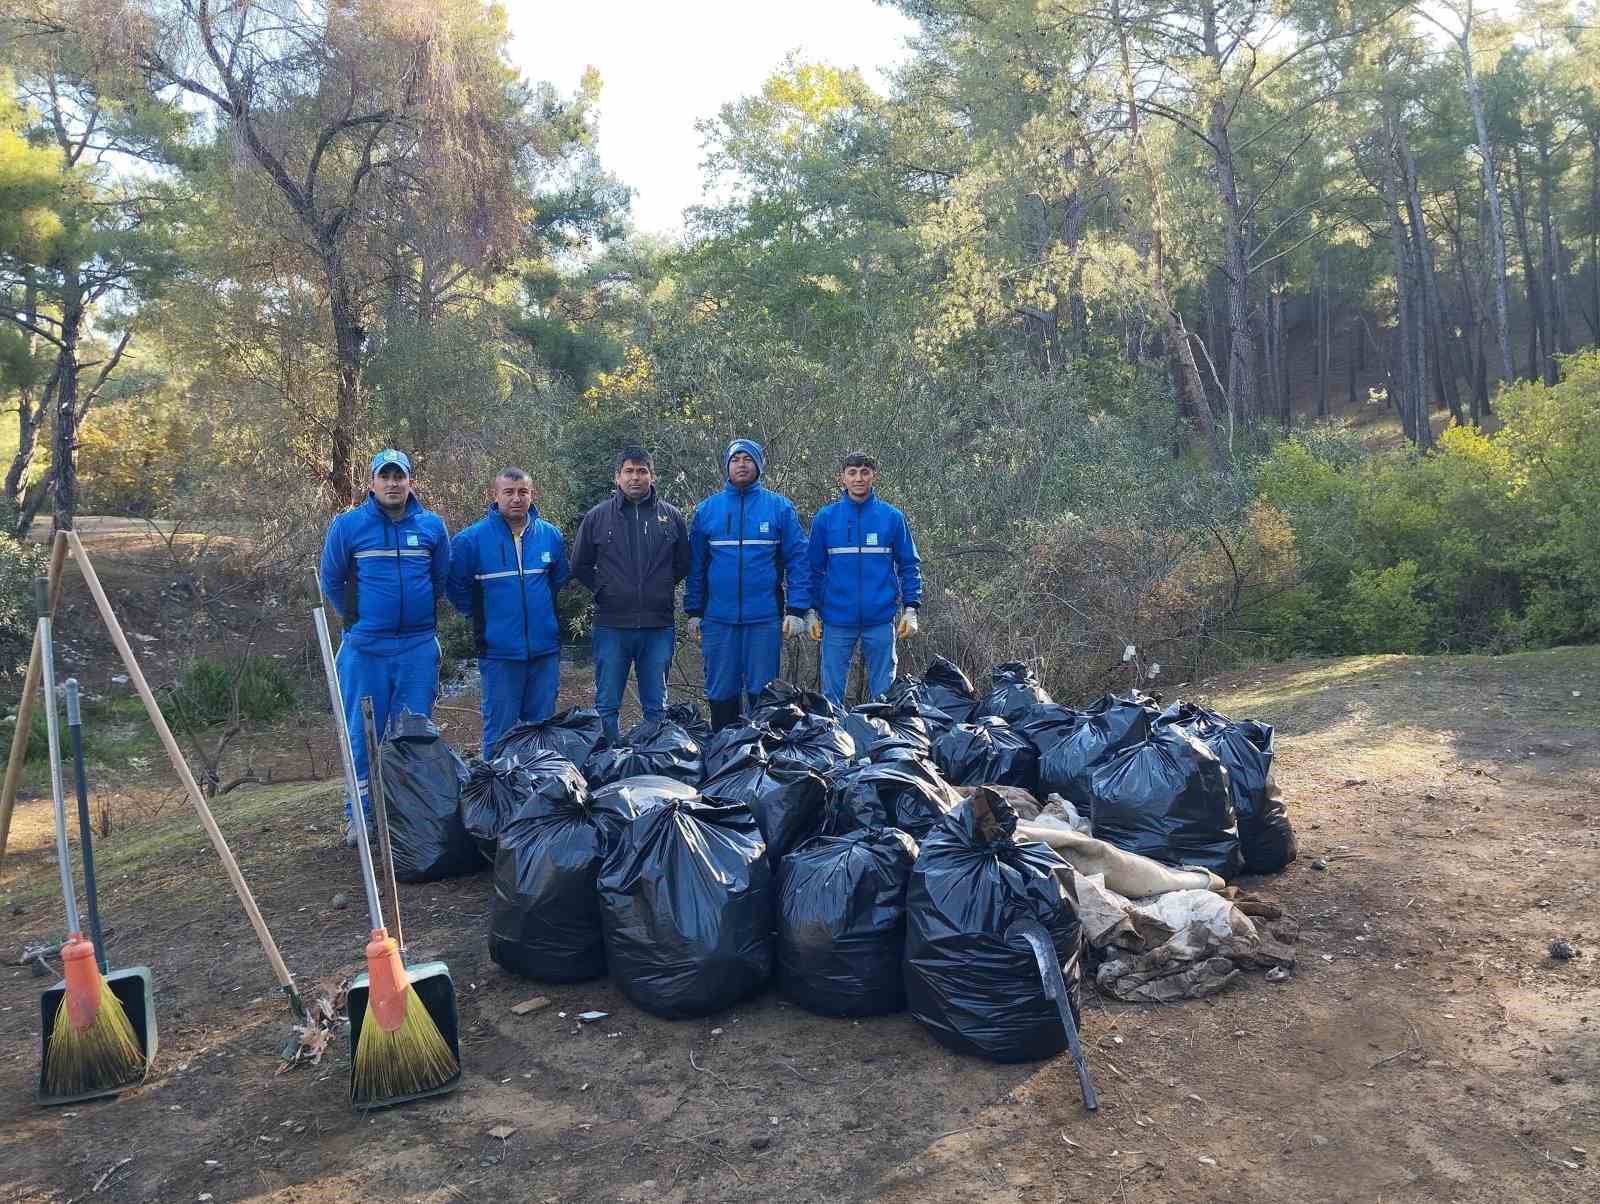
(348, 339)
(1352, 342)
(1324, 344)
(1594, 228)
(1444, 365)
(1497, 234)
(64, 454)
(1555, 279)
(1408, 385)
(1536, 322)
(1235, 254)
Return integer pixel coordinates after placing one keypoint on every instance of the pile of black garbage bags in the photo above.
(829, 853)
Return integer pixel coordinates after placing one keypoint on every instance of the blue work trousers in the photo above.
(517, 692)
(396, 682)
(645, 650)
(839, 648)
(740, 657)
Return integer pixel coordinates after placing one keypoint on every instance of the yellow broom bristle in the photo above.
(412, 1059)
(102, 1055)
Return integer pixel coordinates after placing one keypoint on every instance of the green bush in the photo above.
(1382, 611)
(205, 690)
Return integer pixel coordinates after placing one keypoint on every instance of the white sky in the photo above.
(668, 63)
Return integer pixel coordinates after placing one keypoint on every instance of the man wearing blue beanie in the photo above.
(749, 583)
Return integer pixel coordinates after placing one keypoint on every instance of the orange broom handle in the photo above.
(218, 842)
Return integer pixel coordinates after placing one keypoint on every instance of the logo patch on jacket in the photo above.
(545, 557)
(872, 539)
(766, 528)
(411, 541)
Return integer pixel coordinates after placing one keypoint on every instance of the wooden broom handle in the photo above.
(218, 842)
(30, 690)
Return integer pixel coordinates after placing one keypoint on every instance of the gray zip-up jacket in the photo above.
(632, 555)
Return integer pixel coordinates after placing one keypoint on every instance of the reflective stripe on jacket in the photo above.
(863, 562)
(511, 601)
(383, 576)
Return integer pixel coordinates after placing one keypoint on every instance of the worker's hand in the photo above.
(814, 624)
(694, 627)
(793, 625)
(907, 626)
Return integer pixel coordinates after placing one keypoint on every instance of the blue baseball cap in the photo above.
(389, 456)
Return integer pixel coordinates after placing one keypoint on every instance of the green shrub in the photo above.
(205, 690)
(1383, 612)
(20, 563)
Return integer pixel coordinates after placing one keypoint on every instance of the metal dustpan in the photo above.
(135, 990)
(430, 980)
(437, 991)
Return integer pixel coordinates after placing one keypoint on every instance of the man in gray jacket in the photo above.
(631, 551)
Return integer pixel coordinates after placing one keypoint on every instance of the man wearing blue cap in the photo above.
(383, 570)
(749, 584)
(505, 572)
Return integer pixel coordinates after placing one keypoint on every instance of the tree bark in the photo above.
(1536, 324)
(64, 457)
(1497, 234)
(29, 415)
(1554, 276)
(1235, 255)
(1444, 365)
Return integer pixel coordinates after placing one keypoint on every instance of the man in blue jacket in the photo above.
(383, 567)
(864, 568)
(746, 550)
(505, 572)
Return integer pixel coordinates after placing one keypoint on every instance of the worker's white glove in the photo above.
(908, 623)
(694, 627)
(793, 625)
(814, 624)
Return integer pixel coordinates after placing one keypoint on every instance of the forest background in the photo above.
(1224, 330)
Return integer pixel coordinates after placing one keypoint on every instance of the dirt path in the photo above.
(1428, 1050)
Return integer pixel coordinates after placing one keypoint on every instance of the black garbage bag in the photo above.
(732, 744)
(575, 733)
(894, 748)
(987, 752)
(687, 716)
(494, 791)
(865, 726)
(497, 789)
(640, 794)
(842, 923)
(875, 720)
(779, 694)
(1108, 727)
(656, 746)
(1048, 724)
(787, 803)
(422, 781)
(687, 902)
(814, 742)
(1167, 798)
(545, 923)
(908, 794)
(973, 990)
(1245, 748)
(947, 688)
(909, 696)
(1014, 692)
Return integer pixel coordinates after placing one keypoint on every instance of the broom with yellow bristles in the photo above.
(92, 1047)
(400, 1051)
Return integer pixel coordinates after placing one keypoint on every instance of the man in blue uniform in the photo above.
(631, 551)
(505, 572)
(864, 568)
(746, 552)
(383, 567)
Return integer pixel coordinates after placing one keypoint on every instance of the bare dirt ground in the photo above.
(1428, 1049)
